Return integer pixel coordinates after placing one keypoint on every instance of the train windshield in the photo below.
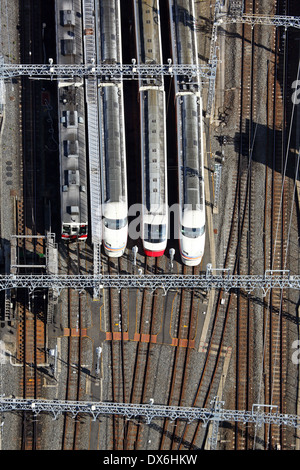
(74, 229)
(82, 230)
(115, 224)
(154, 233)
(191, 232)
(66, 229)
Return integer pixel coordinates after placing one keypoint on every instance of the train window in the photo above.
(66, 229)
(115, 224)
(82, 229)
(154, 233)
(192, 232)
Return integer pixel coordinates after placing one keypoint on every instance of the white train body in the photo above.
(115, 228)
(154, 232)
(154, 223)
(112, 135)
(191, 179)
(192, 236)
(191, 230)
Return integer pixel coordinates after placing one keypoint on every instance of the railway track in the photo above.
(76, 332)
(181, 391)
(277, 192)
(143, 377)
(133, 369)
(138, 370)
(247, 358)
(70, 429)
(243, 218)
(129, 356)
(117, 352)
(242, 248)
(239, 257)
(31, 308)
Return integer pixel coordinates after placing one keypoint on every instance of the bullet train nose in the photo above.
(191, 260)
(114, 252)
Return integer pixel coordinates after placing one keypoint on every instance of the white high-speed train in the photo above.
(189, 135)
(154, 216)
(112, 134)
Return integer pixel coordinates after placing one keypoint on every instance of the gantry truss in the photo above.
(151, 411)
(212, 279)
(105, 71)
(253, 20)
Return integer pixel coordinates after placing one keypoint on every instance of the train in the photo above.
(112, 134)
(154, 213)
(71, 126)
(189, 118)
(113, 187)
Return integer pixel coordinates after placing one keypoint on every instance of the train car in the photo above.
(154, 214)
(189, 118)
(71, 127)
(112, 134)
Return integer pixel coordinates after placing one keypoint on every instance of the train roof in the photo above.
(111, 108)
(190, 149)
(113, 161)
(149, 48)
(110, 28)
(153, 148)
(183, 31)
(72, 141)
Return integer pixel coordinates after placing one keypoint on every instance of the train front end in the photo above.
(154, 234)
(192, 237)
(115, 229)
(76, 231)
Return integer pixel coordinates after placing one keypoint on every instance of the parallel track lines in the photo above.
(136, 386)
(117, 358)
(275, 347)
(31, 326)
(143, 374)
(244, 311)
(71, 429)
(179, 386)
